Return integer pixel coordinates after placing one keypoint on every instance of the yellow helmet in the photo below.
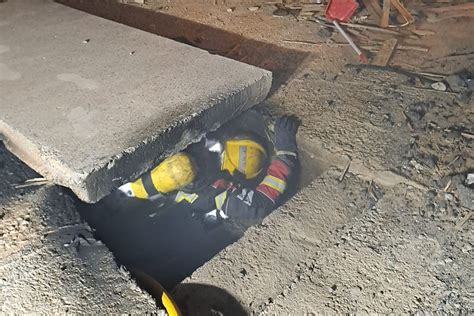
(171, 174)
(244, 155)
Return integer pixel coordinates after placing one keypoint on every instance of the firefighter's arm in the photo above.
(255, 204)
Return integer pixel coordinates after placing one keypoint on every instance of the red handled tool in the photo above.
(341, 11)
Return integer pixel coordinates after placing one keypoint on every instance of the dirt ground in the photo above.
(392, 235)
(50, 262)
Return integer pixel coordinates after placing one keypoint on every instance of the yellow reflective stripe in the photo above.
(185, 196)
(138, 189)
(274, 183)
(169, 305)
(220, 200)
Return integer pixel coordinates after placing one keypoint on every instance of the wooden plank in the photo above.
(322, 21)
(403, 11)
(385, 13)
(374, 8)
(423, 32)
(385, 53)
(414, 48)
(311, 9)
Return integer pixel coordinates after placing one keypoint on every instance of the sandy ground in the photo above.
(393, 235)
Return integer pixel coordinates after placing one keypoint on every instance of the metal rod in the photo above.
(350, 41)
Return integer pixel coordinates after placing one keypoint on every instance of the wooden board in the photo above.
(374, 8)
(403, 11)
(385, 53)
(385, 13)
(423, 32)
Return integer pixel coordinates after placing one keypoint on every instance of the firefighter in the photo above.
(243, 159)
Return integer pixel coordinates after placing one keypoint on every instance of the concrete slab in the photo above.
(91, 104)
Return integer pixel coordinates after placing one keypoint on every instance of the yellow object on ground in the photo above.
(244, 155)
(157, 291)
(170, 306)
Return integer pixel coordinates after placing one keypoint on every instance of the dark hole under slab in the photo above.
(169, 243)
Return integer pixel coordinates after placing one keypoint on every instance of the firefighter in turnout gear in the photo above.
(248, 183)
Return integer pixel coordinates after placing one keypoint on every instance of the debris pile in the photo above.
(379, 27)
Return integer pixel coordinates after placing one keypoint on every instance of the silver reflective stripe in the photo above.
(286, 153)
(242, 158)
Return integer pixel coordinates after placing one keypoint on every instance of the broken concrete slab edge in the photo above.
(103, 179)
(37, 157)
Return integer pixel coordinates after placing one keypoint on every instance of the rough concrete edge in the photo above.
(41, 159)
(128, 165)
(119, 169)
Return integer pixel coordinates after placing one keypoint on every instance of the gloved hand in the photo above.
(286, 128)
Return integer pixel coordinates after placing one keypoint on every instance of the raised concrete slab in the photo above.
(91, 104)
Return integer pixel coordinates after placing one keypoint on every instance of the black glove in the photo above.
(286, 128)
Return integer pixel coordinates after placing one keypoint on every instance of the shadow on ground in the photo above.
(12, 171)
(204, 299)
(193, 298)
(166, 243)
(282, 62)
